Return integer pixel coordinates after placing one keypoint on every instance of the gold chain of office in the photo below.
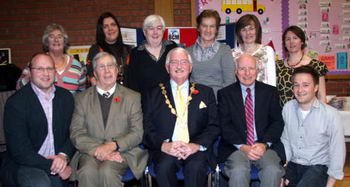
(167, 101)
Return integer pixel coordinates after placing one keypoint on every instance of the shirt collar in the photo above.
(111, 91)
(244, 88)
(199, 41)
(174, 85)
(50, 95)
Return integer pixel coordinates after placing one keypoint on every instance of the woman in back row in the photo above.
(294, 43)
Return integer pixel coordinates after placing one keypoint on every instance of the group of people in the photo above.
(177, 103)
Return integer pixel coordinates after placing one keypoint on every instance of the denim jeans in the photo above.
(35, 177)
(306, 176)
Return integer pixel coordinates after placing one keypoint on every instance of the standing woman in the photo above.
(212, 61)
(70, 73)
(248, 33)
(294, 44)
(109, 39)
(147, 61)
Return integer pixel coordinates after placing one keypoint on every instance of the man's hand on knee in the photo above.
(59, 163)
(248, 151)
(65, 174)
(104, 150)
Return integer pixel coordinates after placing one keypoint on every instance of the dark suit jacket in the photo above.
(26, 128)
(159, 122)
(268, 118)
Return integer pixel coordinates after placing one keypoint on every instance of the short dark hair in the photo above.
(297, 31)
(209, 14)
(307, 69)
(243, 22)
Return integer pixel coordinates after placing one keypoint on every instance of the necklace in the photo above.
(167, 101)
(250, 50)
(296, 64)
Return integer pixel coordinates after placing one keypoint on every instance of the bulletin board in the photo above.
(325, 22)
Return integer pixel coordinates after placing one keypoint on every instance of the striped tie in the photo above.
(249, 116)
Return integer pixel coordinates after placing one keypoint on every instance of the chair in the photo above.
(254, 176)
(150, 172)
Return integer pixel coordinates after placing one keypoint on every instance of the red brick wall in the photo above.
(182, 13)
(22, 22)
(339, 87)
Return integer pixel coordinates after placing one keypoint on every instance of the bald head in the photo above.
(246, 69)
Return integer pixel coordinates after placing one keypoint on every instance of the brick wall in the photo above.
(339, 87)
(22, 22)
(182, 13)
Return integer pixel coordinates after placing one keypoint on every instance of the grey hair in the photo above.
(47, 32)
(100, 55)
(239, 58)
(151, 19)
(178, 50)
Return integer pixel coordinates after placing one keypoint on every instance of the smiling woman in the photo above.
(109, 39)
(212, 61)
(248, 33)
(70, 73)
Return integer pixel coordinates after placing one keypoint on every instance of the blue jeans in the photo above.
(306, 176)
(35, 177)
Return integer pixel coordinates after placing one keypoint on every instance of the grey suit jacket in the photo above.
(124, 124)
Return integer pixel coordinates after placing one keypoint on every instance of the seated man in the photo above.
(180, 124)
(107, 129)
(36, 121)
(252, 125)
(313, 136)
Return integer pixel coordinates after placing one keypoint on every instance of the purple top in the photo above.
(48, 147)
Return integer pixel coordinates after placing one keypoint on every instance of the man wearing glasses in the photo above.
(107, 129)
(36, 124)
(180, 124)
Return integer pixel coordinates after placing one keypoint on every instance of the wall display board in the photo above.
(325, 22)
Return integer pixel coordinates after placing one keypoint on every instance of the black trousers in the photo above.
(194, 169)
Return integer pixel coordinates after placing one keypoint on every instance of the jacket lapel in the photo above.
(238, 102)
(95, 106)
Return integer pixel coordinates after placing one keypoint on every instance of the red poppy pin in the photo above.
(117, 99)
(195, 92)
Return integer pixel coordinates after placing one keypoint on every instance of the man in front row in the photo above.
(313, 136)
(107, 129)
(36, 122)
(180, 123)
(251, 124)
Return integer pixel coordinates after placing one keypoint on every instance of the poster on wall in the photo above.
(79, 52)
(269, 13)
(5, 56)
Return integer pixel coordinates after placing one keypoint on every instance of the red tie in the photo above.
(249, 116)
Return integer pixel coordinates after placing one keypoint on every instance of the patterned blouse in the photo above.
(284, 78)
(73, 78)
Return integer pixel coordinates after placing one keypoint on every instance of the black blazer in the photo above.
(25, 128)
(159, 122)
(268, 118)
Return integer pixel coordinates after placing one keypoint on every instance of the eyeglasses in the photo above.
(246, 68)
(158, 28)
(248, 28)
(58, 37)
(108, 66)
(42, 70)
(179, 62)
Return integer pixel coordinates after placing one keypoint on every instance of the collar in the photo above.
(111, 91)
(244, 88)
(213, 45)
(41, 93)
(174, 85)
(164, 43)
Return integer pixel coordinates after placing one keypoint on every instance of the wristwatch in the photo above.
(116, 143)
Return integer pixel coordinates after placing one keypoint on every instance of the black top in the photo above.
(144, 71)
